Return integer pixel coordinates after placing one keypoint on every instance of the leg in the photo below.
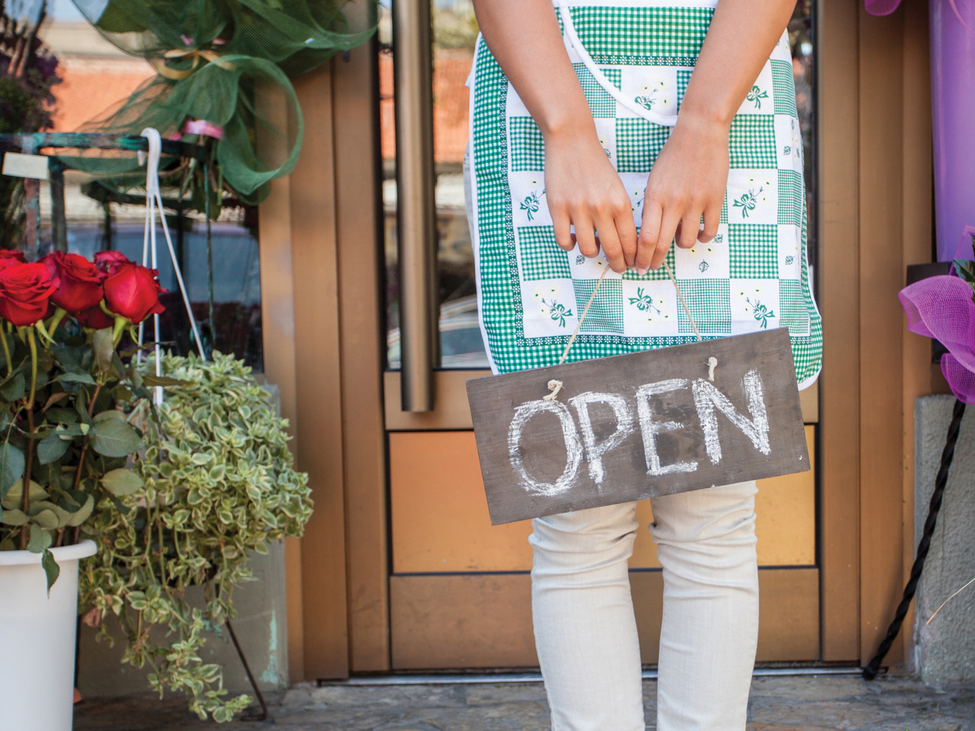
(585, 630)
(706, 545)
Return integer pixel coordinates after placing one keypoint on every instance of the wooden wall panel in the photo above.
(362, 355)
(917, 224)
(881, 231)
(278, 333)
(484, 621)
(461, 622)
(839, 301)
(440, 521)
(318, 381)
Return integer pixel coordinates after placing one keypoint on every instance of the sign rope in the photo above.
(554, 386)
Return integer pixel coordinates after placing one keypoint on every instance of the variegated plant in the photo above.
(219, 483)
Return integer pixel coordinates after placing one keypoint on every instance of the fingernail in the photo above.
(641, 272)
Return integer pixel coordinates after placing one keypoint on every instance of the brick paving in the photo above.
(798, 703)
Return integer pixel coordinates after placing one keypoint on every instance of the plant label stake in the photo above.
(633, 426)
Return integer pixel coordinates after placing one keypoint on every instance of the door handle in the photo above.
(416, 206)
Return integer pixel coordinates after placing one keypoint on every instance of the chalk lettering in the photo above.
(573, 449)
(650, 428)
(707, 397)
(624, 427)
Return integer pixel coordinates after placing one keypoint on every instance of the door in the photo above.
(459, 589)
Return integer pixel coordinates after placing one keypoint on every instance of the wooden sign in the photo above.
(638, 425)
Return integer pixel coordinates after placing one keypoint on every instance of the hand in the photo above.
(688, 181)
(585, 191)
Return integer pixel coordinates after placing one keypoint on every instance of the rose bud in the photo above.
(109, 261)
(81, 282)
(94, 318)
(132, 292)
(25, 291)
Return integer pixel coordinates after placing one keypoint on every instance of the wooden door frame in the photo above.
(321, 247)
(875, 218)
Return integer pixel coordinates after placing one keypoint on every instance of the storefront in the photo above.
(400, 569)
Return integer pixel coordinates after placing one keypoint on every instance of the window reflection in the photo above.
(96, 75)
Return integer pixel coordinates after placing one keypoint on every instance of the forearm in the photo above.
(524, 37)
(739, 42)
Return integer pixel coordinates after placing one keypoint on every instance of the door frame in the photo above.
(321, 269)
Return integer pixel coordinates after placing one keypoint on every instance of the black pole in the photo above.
(870, 671)
(262, 716)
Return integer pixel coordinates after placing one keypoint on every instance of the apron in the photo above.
(634, 59)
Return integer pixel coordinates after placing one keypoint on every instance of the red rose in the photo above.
(12, 255)
(133, 292)
(94, 317)
(109, 261)
(25, 291)
(81, 282)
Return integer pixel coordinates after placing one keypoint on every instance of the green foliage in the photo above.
(966, 269)
(217, 482)
(50, 393)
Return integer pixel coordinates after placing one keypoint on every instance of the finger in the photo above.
(649, 230)
(586, 238)
(712, 218)
(609, 243)
(668, 228)
(626, 231)
(563, 233)
(687, 235)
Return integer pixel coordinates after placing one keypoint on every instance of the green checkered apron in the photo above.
(634, 59)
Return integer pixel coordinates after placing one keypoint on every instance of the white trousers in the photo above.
(585, 630)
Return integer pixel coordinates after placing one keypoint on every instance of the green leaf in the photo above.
(51, 448)
(151, 380)
(14, 388)
(51, 569)
(83, 513)
(46, 519)
(109, 414)
(14, 517)
(122, 482)
(114, 438)
(12, 465)
(76, 378)
(101, 343)
(40, 539)
(62, 415)
(16, 493)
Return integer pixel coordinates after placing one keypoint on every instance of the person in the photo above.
(603, 131)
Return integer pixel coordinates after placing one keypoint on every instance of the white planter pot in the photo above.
(37, 639)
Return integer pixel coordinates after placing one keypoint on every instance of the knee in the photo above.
(584, 540)
(718, 515)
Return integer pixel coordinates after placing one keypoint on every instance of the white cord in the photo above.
(154, 199)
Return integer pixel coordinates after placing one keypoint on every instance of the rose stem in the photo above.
(84, 439)
(6, 352)
(25, 481)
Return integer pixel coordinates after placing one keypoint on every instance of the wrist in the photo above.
(705, 118)
(574, 129)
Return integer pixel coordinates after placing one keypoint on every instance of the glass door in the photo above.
(460, 588)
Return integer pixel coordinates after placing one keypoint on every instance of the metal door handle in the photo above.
(416, 207)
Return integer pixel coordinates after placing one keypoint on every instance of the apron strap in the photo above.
(570, 32)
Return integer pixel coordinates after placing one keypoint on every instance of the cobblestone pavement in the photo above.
(804, 703)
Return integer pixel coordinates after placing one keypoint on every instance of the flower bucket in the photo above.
(37, 634)
(952, 82)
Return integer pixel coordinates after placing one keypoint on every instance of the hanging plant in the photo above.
(211, 56)
(218, 483)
